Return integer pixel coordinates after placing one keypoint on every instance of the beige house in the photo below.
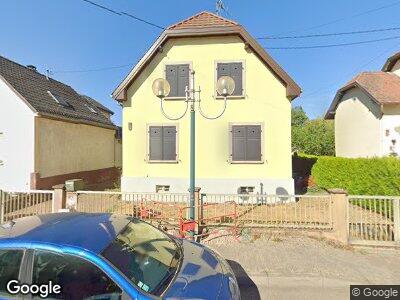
(367, 113)
(247, 149)
(49, 133)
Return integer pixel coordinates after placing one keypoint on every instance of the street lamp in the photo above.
(161, 89)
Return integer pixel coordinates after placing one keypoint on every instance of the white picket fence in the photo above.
(17, 204)
(372, 220)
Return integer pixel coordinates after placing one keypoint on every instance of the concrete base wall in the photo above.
(218, 186)
(95, 179)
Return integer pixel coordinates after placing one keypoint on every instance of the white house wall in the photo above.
(16, 140)
(357, 126)
(390, 127)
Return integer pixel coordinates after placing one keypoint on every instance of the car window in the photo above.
(146, 255)
(78, 278)
(10, 262)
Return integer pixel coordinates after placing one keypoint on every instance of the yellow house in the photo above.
(247, 149)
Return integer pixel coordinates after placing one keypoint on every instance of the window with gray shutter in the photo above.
(246, 143)
(162, 143)
(178, 78)
(234, 70)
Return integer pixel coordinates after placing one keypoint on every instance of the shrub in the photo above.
(315, 137)
(362, 176)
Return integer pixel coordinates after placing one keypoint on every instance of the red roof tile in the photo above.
(203, 19)
(382, 86)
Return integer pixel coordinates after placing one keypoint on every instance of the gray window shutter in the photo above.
(183, 80)
(223, 70)
(236, 72)
(171, 75)
(155, 141)
(169, 143)
(238, 143)
(253, 144)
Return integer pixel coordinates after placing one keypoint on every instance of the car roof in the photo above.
(92, 232)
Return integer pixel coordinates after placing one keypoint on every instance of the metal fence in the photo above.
(216, 209)
(289, 211)
(17, 204)
(373, 219)
(150, 206)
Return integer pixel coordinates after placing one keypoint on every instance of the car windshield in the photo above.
(146, 255)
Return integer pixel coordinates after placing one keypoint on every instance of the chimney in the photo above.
(32, 67)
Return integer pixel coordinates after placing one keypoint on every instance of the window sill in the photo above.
(231, 97)
(250, 162)
(162, 161)
(175, 98)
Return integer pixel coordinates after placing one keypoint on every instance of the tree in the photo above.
(299, 117)
(315, 137)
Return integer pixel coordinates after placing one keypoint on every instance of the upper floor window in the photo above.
(177, 76)
(162, 143)
(246, 143)
(234, 70)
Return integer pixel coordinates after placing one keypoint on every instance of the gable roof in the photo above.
(203, 19)
(207, 24)
(34, 89)
(390, 62)
(382, 87)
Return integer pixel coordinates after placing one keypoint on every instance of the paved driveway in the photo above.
(293, 266)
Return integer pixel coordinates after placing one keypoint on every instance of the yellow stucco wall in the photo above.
(265, 102)
(357, 126)
(63, 148)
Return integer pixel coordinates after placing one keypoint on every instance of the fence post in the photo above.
(59, 199)
(2, 200)
(396, 219)
(340, 217)
(198, 209)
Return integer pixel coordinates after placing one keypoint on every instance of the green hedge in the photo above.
(359, 176)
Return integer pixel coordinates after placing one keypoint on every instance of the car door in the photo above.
(77, 277)
(11, 268)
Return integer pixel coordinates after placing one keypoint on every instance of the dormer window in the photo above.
(60, 100)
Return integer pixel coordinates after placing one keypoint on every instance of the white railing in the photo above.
(281, 211)
(373, 219)
(17, 204)
(144, 205)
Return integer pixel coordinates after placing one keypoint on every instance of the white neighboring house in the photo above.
(367, 113)
(50, 133)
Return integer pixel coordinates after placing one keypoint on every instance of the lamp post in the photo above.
(161, 89)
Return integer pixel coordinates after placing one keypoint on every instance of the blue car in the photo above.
(106, 257)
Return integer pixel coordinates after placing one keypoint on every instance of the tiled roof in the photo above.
(203, 19)
(201, 25)
(383, 87)
(390, 62)
(35, 87)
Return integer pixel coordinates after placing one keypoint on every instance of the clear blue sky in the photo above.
(73, 35)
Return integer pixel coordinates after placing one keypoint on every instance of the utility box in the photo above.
(74, 185)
